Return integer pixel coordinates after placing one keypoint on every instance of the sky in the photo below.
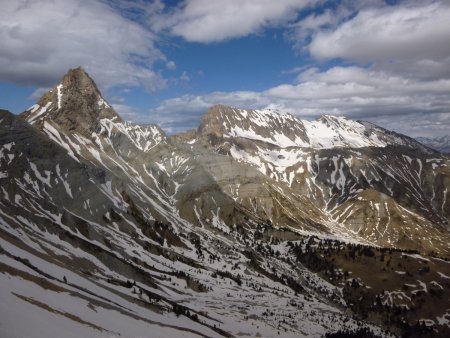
(167, 62)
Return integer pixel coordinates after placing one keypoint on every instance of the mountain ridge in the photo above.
(284, 149)
(221, 230)
(326, 131)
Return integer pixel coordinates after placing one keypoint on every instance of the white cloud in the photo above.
(171, 65)
(198, 103)
(212, 21)
(41, 40)
(418, 124)
(313, 23)
(414, 32)
(327, 20)
(359, 92)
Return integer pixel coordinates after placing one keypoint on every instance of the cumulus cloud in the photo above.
(389, 33)
(301, 32)
(404, 34)
(360, 92)
(212, 21)
(41, 40)
(407, 48)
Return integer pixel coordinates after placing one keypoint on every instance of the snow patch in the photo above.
(59, 88)
(32, 118)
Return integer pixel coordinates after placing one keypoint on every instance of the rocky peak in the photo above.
(75, 104)
(265, 125)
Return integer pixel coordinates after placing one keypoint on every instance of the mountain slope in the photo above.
(331, 161)
(63, 218)
(109, 228)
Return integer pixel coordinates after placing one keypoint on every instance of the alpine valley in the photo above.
(254, 224)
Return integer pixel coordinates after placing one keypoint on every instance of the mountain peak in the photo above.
(74, 104)
(79, 79)
(265, 125)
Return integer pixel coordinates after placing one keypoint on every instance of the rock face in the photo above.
(254, 220)
(75, 104)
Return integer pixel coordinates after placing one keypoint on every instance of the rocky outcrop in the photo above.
(75, 104)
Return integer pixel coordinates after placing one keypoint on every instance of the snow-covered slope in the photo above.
(238, 229)
(335, 131)
(331, 161)
(284, 130)
(96, 248)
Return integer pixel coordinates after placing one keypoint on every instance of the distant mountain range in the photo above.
(441, 144)
(254, 224)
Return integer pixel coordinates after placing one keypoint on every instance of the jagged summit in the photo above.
(75, 104)
(76, 108)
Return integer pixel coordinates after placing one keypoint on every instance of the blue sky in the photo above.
(166, 62)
